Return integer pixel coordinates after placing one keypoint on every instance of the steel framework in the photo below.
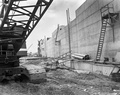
(16, 13)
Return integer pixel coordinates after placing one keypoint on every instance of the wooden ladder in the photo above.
(101, 39)
(108, 17)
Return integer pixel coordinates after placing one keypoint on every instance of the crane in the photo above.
(18, 19)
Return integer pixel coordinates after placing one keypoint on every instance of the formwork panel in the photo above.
(93, 8)
(84, 6)
(73, 23)
(92, 40)
(49, 47)
(113, 46)
(76, 44)
(74, 29)
(83, 42)
(97, 69)
(110, 54)
(80, 26)
(80, 18)
(104, 69)
(109, 35)
(79, 35)
(63, 41)
(108, 69)
(74, 50)
(92, 19)
(110, 50)
(116, 32)
(77, 39)
(89, 48)
(94, 28)
(104, 2)
(116, 4)
(62, 36)
(86, 66)
(88, 21)
(92, 54)
(95, 17)
(74, 36)
(81, 9)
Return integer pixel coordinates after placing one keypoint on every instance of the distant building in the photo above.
(42, 48)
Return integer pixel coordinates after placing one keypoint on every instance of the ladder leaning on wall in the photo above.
(108, 17)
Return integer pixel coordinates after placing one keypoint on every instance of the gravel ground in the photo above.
(64, 82)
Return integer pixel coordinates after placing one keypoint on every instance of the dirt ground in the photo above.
(64, 82)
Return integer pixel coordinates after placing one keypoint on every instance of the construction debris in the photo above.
(81, 56)
(62, 82)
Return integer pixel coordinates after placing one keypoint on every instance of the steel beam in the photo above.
(23, 9)
(28, 24)
(20, 0)
(21, 12)
(6, 14)
(28, 6)
(41, 14)
(14, 21)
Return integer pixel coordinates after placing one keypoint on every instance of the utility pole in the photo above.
(69, 38)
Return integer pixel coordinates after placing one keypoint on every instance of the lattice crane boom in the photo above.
(23, 17)
(18, 18)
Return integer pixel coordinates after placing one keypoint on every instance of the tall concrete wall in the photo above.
(87, 26)
(112, 38)
(49, 48)
(85, 31)
(43, 49)
(61, 36)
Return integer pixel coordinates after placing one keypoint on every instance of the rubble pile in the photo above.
(93, 84)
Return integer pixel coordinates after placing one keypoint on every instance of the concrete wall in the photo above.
(105, 69)
(61, 46)
(49, 48)
(43, 49)
(85, 31)
(112, 46)
(87, 26)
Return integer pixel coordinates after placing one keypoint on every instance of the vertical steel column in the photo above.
(69, 38)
